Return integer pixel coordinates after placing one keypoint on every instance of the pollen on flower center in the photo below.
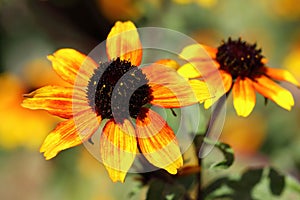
(118, 90)
(240, 59)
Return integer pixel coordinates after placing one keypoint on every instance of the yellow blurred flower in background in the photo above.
(19, 127)
(292, 61)
(202, 3)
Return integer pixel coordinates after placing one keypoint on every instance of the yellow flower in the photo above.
(292, 61)
(116, 90)
(243, 70)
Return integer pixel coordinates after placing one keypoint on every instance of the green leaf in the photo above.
(234, 189)
(227, 151)
(160, 190)
(277, 182)
(254, 184)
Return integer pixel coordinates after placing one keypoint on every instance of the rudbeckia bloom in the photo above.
(243, 70)
(120, 92)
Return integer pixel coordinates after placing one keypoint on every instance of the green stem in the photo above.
(199, 140)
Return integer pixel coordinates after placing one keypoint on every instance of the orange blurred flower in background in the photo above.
(119, 9)
(245, 141)
(284, 9)
(101, 91)
(19, 126)
(243, 70)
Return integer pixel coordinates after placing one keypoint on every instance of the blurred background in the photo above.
(32, 29)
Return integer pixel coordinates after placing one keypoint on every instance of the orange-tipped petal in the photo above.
(273, 91)
(57, 100)
(243, 97)
(282, 75)
(118, 147)
(72, 66)
(70, 133)
(222, 83)
(123, 41)
(168, 88)
(198, 52)
(157, 141)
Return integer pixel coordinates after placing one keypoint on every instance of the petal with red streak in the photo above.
(118, 148)
(157, 141)
(70, 133)
(73, 66)
(57, 100)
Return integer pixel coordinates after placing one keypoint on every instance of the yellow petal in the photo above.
(123, 41)
(189, 71)
(118, 147)
(73, 66)
(201, 90)
(57, 100)
(282, 75)
(157, 141)
(243, 97)
(70, 133)
(271, 90)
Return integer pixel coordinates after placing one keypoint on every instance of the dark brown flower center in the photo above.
(118, 90)
(240, 59)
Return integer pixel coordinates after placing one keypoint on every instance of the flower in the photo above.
(243, 70)
(118, 91)
(237, 136)
(283, 9)
(292, 62)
